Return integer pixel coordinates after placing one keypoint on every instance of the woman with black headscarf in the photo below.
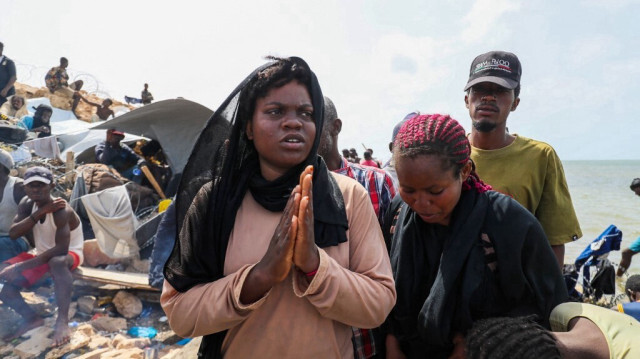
(39, 122)
(459, 251)
(269, 262)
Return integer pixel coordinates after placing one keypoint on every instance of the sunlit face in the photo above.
(46, 115)
(17, 103)
(429, 189)
(282, 129)
(489, 105)
(38, 191)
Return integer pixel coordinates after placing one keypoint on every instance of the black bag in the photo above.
(12, 134)
(604, 282)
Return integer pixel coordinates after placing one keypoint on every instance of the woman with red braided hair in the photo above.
(459, 251)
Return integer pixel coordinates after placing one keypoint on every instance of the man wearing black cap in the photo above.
(527, 170)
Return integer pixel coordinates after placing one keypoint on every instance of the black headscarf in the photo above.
(37, 119)
(444, 282)
(224, 165)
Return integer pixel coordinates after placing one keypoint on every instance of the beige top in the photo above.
(353, 287)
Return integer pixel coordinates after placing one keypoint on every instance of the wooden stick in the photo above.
(153, 181)
(70, 165)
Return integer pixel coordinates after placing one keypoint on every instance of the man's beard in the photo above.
(482, 126)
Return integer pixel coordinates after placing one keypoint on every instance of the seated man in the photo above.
(15, 108)
(632, 289)
(11, 193)
(146, 96)
(634, 248)
(57, 81)
(57, 233)
(103, 111)
(40, 121)
(121, 157)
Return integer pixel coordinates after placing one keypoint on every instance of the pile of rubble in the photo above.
(83, 111)
(105, 323)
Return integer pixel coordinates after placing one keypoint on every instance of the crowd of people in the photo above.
(286, 246)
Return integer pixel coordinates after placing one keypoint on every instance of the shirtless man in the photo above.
(103, 111)
(56, 231)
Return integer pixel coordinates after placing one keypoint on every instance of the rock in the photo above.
(37, 343)
(109, 324)
(122, 342)
(86, 304)
(127, 304)
(77, 341)
(85, 329)
(190, 350)
(167, 337)
(134, 353)
(5, 349)
(96, 354)
(98, 341)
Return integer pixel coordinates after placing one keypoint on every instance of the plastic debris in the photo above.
(142, 332)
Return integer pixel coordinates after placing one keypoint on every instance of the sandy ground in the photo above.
(99, 330)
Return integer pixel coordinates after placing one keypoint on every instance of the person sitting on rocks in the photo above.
(15, 108)
(146, 96)
(57, 81)
(56, 230)
(103, 111)
(40, 121)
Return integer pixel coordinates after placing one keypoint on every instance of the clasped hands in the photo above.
(293, 242)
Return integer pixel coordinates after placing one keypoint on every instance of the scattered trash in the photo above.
(163, 319)
(146, 311)
(73, 324)
(184, 341)
(142, 332)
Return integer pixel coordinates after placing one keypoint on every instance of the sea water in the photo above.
(601, 196)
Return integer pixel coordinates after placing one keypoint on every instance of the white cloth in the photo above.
(8, 206)
(44, 235)
(113, 221)
(21, 154)
(44, 147)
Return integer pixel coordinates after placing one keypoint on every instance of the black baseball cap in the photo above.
(500, 67)
(40, 174)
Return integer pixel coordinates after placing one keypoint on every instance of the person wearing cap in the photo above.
(11, 193)
(55, 230)
(527, 170)
(627, 253)
(121, 157)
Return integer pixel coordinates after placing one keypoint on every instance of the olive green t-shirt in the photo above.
(530, 172)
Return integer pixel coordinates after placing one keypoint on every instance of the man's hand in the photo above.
(53, 206)
(4, 92)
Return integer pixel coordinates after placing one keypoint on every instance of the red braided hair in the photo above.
(438, 135)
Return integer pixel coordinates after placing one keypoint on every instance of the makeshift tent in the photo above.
(176, 124)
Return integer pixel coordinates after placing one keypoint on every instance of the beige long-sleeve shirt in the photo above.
(353, 287)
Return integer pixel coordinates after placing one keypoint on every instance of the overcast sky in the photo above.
(378, 60)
